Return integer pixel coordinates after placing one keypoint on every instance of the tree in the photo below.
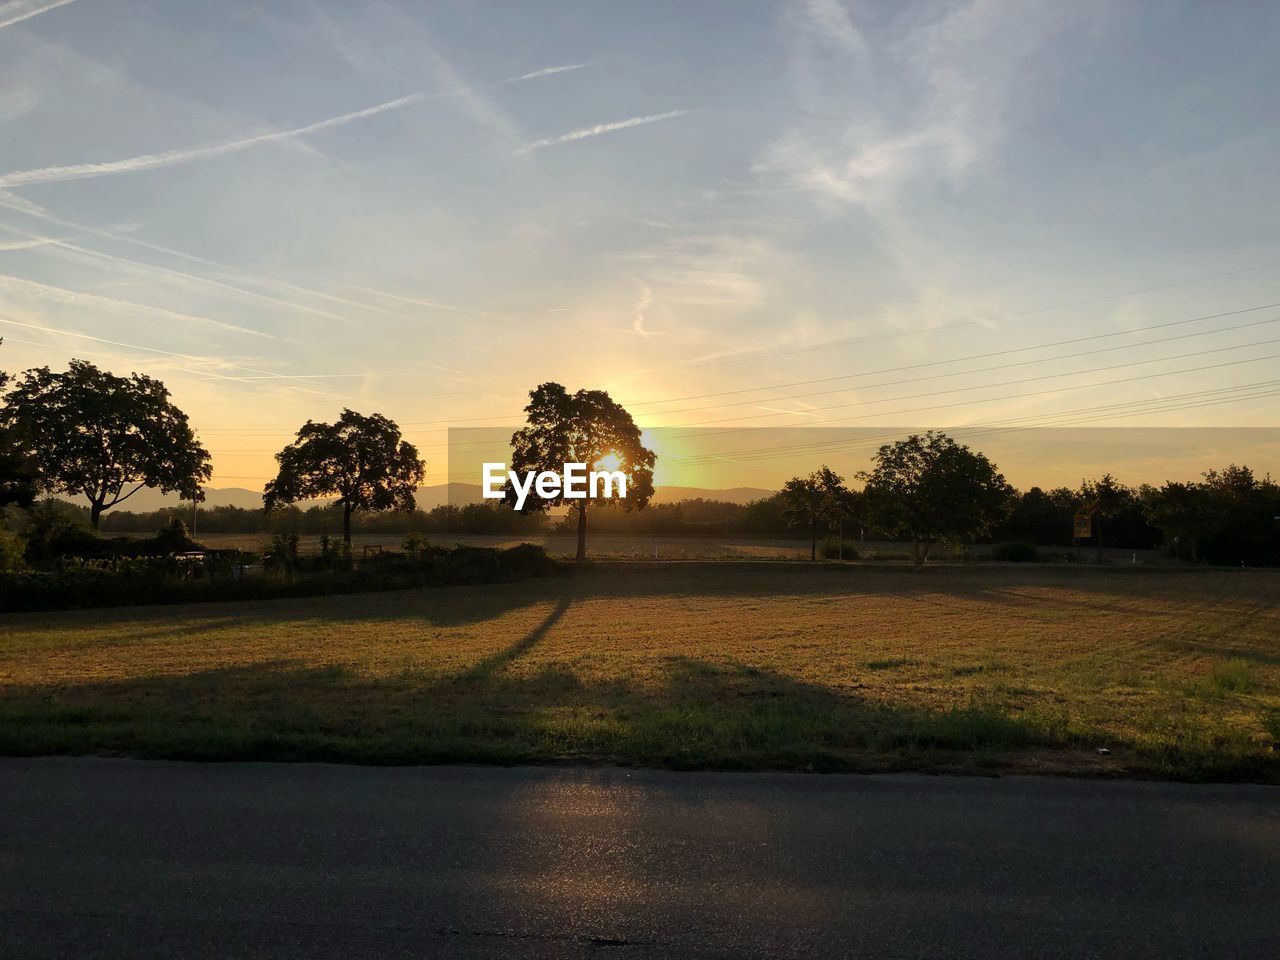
(1105, 499)
(18, 478)
(362, 461)
(818, 501)
(932, 488)
(1184, 513)
(586, 427)
(93, 434)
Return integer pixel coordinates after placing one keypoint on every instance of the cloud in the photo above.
(832, 24)
(546, 72)
(932, 107)
(26, 244)
(169, 158)
(586, 132)
(215, 362)
(15, 11)
(43, 291)
(643, 301)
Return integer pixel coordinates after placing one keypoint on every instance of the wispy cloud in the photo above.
(831, 22)
(22, 205)
(169, 158)
(32, 288)
(25, 244)
(15, 11)
(296, 382)
(644, 301)
(546, 72)
(586, 132)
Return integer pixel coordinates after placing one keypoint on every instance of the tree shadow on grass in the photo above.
(458, 606)
(680, 712)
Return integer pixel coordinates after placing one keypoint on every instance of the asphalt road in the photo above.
(105, 858)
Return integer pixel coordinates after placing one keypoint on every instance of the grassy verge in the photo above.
(750, 667)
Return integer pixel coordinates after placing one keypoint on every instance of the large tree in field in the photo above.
(361, 461)
(1104, 499)
(103, 437)
(934, 489)
(817, 502)
(585, 427)
(18, 479)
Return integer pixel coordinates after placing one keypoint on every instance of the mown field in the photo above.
(1175, 673)
(602, 547)
(624, 547)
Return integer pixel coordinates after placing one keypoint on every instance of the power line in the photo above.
(1018, 396)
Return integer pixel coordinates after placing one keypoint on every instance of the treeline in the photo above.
(1227, 517)
(473, 518)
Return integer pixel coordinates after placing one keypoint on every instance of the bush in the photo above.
(174, 538)
(831, 550)
(12, 549)
(1017, 552)
(530, 560)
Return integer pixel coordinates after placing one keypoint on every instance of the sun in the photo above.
(610, 461)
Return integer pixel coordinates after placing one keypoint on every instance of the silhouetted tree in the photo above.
(93, 434)
(362, 461)
(1105, 500)
(582, 427)
(932, 488)
(817, 502)
(17, 472)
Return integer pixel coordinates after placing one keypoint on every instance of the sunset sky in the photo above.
(726, 213)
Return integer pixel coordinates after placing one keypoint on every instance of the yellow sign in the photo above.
(1083, 526)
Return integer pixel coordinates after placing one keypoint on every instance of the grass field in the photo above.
(602, 546)
(724, 665)
(623, 547)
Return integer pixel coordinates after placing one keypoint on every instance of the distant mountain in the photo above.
(458, 494)
(148, 500)
(731, 495)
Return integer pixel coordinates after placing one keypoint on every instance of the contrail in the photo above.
(586, 132)
(546, 72)
(76, 298)
(169, 158)
(18, 10)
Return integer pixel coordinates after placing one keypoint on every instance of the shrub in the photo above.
(831, 550)
(174, 538)
(12, 549)
(284, 551)
(1017, 552)
(530, 560)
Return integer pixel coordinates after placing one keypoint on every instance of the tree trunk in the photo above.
(95, 513)
(813, 541)
(582, 532)
(1099, 540)
(346, 525)
(915, 553)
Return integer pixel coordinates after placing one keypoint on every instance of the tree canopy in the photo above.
(1104, 499)
(933, 489)
(17, 473)
(92, 434)
(817, 502)
(361, 461)
(585, 427)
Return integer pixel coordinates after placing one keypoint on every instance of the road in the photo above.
(115, 858)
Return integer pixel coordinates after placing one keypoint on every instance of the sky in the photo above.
(819, 213)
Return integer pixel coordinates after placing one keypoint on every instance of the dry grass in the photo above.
(730, 665)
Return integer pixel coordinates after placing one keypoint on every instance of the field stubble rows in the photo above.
(685, 665)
